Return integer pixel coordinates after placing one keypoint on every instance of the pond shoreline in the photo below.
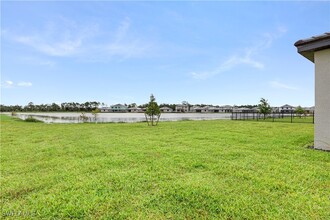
(74, 117)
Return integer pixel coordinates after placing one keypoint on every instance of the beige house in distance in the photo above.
(317, 50)
(166, 109)
(182, 108)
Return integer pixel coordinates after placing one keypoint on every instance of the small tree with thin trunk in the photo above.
(152, 113)
(95, 113)
(264, 107)
(83, 117)
(299, 111)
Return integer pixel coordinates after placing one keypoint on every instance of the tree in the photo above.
(94, 105)
(55, 107)
(299, 111)
(132, 105)
(30, 107)
(264, 107)
(83, 117)
(88, 106)
(95, 114)
(152, 113)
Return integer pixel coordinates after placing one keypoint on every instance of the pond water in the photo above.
(119, 117)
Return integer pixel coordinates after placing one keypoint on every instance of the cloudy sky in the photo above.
(120, 52)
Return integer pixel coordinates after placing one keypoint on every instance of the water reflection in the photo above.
(118, 117)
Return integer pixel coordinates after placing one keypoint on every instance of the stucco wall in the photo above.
(322, 99)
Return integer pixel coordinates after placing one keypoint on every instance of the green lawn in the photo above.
(178, 170)
(286, 119)
(302, 119)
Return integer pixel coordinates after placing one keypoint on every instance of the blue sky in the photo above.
(120, 52)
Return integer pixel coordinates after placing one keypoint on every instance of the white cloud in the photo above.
(63, 47)
(229, 64)
(24, 84)
(249, 57)
(123, 29)
(38, 61)
(66, 38)
(10, 84)
(278, 85)
(7, 84)
(61, 38)
(126, 45)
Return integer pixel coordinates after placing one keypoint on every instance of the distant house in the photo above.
(236, 109)
(119, 108)
(244, 110)
(166, 109)
(196, 108)
(287, 109)
(200, 109)
(226, 108)
(309, 110)
(206, 109)
(135, 110)
(105, 109)
(275, 109)
(214, 109)
(182, 108)
(256, 109)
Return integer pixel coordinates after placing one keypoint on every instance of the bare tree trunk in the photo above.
(158, 119)
(147, 119)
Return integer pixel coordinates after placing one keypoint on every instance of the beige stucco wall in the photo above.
(322, 99)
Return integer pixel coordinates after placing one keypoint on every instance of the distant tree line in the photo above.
(63, 107)
(83, 107)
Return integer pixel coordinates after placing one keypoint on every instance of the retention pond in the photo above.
(119, 117)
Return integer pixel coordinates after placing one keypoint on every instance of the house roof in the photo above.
(181, 105)
(119, 105)
(226, 106)
(165, 107)
(287, 106)
(197, 107)
(308, 46)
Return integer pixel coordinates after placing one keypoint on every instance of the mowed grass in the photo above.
(177, 170)
(302, 119)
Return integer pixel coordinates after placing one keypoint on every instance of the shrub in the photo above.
(31, 119)
(83, 117)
